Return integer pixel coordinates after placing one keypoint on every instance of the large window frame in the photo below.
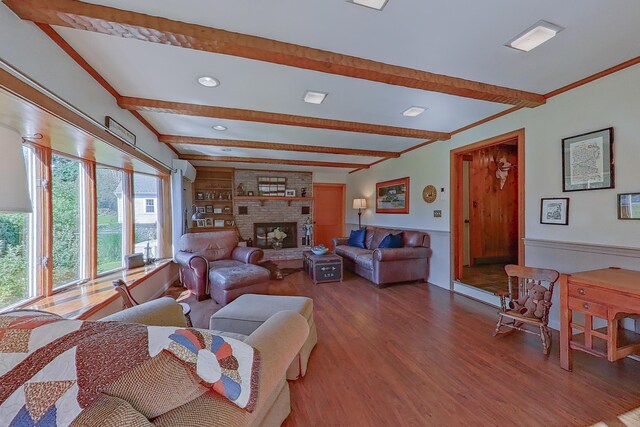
(41, 221)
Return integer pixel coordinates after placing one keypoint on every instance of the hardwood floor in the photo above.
(417, 355)
(490, 277)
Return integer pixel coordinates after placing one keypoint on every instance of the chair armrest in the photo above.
(340, 241)
(392, 254)
(247, 255)
(279, 340)
(158, 312)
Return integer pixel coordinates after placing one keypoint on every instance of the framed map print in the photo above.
(554, 211)
(587, 161)
(393, 196)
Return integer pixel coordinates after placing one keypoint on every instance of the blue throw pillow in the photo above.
(356, 238)
(392, 241)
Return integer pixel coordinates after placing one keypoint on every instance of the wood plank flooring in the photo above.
(417, 355)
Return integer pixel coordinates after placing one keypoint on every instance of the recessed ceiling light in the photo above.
(373, 4)
(413, 111)
(313, 97)
(219, 127)
(534, 36)
(208, 81)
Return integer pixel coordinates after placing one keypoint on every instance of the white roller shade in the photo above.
(14, 191)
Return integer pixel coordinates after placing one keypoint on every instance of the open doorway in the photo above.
(488, 211)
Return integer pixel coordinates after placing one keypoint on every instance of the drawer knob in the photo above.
(586, 306)
(581, 291)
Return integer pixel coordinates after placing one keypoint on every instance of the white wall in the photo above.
(27, 48)
(610, 101)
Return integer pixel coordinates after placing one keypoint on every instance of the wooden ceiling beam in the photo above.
(214, 142)
(128, 24)
(158, 106)
(228, 159)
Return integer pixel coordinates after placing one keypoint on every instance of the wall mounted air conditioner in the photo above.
(188, 171)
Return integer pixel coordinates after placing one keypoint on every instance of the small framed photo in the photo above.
(249, 193)
(201, 209)
(629, 206)
(290, 193)
(201, 223)
(209, 209)
(554, 211)
(217, 210)
(199, 195)
(227, 210)
(218, 223)
(587, 161)
(209, 222)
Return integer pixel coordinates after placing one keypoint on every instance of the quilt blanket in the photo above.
(51, 369)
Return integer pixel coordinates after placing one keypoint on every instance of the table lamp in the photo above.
(359, 204)
(13, 174)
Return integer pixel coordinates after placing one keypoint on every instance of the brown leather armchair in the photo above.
(201, 253)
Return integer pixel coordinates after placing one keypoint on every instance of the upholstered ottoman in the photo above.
(228, 283)
(248, 312)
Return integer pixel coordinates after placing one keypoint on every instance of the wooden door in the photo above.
(328, 212)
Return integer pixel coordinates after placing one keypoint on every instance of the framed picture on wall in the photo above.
(587, 161)
(393, 196)
(629, 206)
(554, 211)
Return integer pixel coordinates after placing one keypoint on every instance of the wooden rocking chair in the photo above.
(128, 301)
(517, 321)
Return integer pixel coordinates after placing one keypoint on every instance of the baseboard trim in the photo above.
(584, 247)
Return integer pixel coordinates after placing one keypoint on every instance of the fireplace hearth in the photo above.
(261, 229)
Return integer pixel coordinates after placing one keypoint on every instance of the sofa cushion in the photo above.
(413, 239)
(369, 237)
(365, 261)
(356, 239)
(239, 276)
(350, 252)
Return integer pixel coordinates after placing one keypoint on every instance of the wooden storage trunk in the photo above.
(323, 268)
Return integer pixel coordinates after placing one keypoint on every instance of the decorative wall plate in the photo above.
(430, 194)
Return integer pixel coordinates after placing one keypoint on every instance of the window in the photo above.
(110, 222)
(145, 189)
(67, 223)
(16, 250)
(150, 206)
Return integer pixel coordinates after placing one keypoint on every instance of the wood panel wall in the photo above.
(493, 211)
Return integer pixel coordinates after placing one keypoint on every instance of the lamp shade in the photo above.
(359, 203)
(13, 174)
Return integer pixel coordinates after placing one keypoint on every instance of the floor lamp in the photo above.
(360, 204)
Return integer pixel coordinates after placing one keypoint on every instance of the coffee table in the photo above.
(322, 268)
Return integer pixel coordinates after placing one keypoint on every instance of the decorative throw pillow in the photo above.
(392, 241)
(356, 239)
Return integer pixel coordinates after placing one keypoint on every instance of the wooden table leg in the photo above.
(566, 356)
(612, 339)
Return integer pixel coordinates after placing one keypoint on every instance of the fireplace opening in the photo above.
(261, 229)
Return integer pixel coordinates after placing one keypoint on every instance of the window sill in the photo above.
(82, 300)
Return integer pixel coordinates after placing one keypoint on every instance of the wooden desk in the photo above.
(610, 294)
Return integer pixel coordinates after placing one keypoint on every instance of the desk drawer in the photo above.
(590, 293)
(588, 307)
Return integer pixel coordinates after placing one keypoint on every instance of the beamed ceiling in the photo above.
(447, 56)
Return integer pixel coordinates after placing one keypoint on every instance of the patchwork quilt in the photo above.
(51, 369)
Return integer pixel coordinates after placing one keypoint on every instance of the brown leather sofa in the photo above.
(386, 266)
(213, 264)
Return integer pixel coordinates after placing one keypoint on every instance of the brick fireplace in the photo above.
(261, 230)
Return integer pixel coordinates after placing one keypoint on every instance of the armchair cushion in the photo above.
(212, 246)
(356, 239)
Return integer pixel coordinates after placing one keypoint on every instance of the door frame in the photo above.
(457, 217)
(343, 189)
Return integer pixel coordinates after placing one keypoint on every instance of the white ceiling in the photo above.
(461, 38)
